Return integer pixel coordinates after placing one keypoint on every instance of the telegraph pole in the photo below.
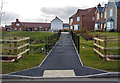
(1, 12)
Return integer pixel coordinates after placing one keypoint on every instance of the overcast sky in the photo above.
(43, 10)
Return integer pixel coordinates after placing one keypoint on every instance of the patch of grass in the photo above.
(28, 61)
(91, 59)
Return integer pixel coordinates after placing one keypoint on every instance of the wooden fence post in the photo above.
(105, 45)
(94, 45)
(22, 44)
(99, 45)
(15, 46)
(27, 46)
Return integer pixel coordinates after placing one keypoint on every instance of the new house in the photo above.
(108, 17)
(100, 18)
(55, 24)
(30, 26)
(83, 18)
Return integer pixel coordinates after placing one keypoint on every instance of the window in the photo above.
(105, 14)
(46, 29)
(78, 18)
(71, 27)
(111, 12)
(97, 16)
(71, 20)
(101, 15)
(17, 24)
(93, 18)
(101, 26)
(111, 25)
(20, 29)
(96, 27)
(15, 29)
(35, 28)
(108, 25)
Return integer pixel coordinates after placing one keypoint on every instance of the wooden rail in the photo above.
(102, 43)
(14, 46)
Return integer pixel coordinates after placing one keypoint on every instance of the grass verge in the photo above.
(28, 61)
(91, 59)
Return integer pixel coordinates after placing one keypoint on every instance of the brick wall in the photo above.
(18, 27)
(88, 21)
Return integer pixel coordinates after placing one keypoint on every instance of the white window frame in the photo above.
(96, 26)
(93, 18)
(98, 16)
(71, 27)
(35, 28)
(15, 29)
(17, 24)
(101, 26)
(78, 18)
(71, 20)
(101, 15)
(105, 14)
(20, 29)
(108, 25)
(111, 12)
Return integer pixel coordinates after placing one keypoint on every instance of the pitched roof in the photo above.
(56, 18)
(100, 9)
(82, 12)
(117, 4)
(31, 24)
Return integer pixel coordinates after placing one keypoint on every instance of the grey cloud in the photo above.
(64, 13)
(9, 17)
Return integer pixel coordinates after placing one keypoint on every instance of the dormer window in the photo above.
(17, 24)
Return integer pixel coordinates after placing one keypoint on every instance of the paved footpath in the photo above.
(62, 57)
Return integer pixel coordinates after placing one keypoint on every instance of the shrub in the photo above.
(112, 30)
(87, 36)
(77, 31)
(83, 30)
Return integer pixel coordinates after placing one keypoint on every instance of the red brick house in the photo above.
(100, 18)
(83, 18)
(30, 26)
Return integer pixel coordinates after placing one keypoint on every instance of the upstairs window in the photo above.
(78, 18)
(17, 24)
(111, 12)
(101, 15)
(93, 18)
(105, 14)
(71, 20)
(97, 16)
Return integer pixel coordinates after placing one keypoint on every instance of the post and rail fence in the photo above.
(76, 40)
(105, 46)
(14, 48)
(50, 41)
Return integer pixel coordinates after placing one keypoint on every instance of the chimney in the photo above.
(17, 20)
(99, 5)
